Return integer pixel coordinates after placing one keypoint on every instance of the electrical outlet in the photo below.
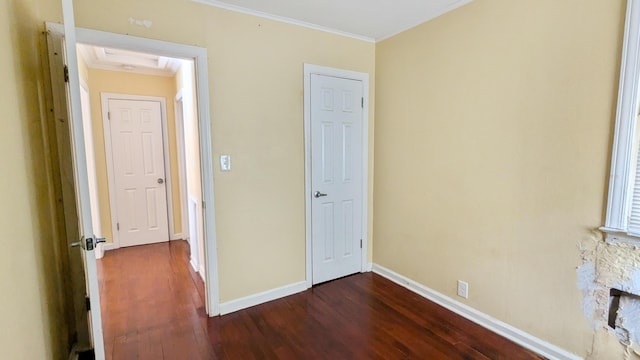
(225, 163)
(463, 289)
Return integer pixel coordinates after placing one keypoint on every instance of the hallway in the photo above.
(152, 302)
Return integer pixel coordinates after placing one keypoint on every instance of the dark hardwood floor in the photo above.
(152, 308)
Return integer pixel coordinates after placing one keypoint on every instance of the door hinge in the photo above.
(362, 102)
(66, 74)
(87, 303)
(108, 115)
(204, 205)
(118, 226)
(360, 243)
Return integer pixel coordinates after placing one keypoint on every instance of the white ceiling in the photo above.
(371, 20)
(97, 57)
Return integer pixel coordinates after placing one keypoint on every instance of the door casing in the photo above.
(346, 74)
(200, 57)
(182, 171)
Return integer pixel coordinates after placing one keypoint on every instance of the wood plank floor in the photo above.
(152, 308)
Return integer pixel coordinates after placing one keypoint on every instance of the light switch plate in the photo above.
(225, 163)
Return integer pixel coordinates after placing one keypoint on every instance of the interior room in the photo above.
(497, 176)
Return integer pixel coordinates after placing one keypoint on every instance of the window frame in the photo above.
(622, 165)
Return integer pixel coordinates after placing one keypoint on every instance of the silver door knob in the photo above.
(160, 181)
(318, 194)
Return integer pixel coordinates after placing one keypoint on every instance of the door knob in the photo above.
(160, 181)
(318, 194)
(88, 243)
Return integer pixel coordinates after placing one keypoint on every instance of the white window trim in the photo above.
(622, 166)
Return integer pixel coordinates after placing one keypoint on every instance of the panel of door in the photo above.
(139, 173)
(336, 177)
(75, 182)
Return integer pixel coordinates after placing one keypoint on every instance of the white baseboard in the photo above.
(263, 297)
(369, 267)
(176, 237)
(518, 336)
(109, 246)
(194, 264)
(99, 251)
(104, 247)
(202, 273)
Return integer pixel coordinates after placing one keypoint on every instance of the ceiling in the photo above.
(97, 57)
(371, 20)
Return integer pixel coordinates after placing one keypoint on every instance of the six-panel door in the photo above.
(139, 173)
(336, 176)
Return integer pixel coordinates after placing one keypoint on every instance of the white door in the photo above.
(75, 181)
(336, 177)
(138, 171)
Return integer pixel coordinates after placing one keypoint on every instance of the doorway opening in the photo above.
(86, 175)
(142, 138)
(148, 180)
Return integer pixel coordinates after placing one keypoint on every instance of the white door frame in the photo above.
(90, 149)
(108, 149)
(345, 74)
(178, 106)
(200, 57)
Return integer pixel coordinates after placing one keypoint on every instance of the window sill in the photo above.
(616, 236)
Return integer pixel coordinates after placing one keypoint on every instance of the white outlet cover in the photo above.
(225, 162)
(463, 289)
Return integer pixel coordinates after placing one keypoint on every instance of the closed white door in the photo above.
(139, 173)
(336, 177)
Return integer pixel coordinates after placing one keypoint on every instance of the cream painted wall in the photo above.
(256, 82)
(493, 135)
(34, 308)
(256, 85)
(132, 84)
(83, 70)
(492, 148)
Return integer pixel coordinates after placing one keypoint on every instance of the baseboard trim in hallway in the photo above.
(516, 335)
